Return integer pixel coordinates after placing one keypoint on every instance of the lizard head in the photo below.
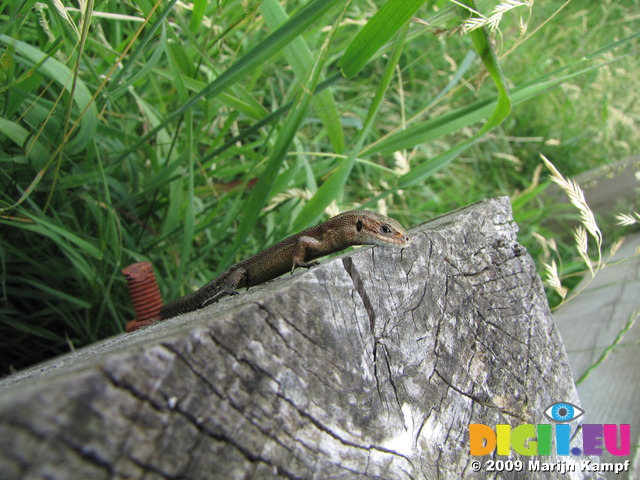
(374, 228)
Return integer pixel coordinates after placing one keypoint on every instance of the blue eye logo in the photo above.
(563, 412)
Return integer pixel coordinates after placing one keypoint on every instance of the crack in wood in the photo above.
(358, 286)
(326, 430)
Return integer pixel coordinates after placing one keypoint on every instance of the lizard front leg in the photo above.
(227, 285)
(300, 250)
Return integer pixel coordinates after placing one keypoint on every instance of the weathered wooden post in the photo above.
(371, 365)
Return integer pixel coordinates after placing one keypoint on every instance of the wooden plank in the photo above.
(589, 324)
(371, 365)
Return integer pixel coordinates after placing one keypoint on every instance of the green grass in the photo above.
(195, 137)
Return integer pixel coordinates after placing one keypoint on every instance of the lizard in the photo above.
(354, 227)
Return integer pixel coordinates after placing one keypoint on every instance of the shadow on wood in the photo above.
(371, 365)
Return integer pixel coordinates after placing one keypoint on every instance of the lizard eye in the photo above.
(385, 229)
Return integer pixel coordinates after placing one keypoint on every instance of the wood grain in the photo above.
(371, 365)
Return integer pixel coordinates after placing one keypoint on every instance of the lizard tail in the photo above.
(181, 305)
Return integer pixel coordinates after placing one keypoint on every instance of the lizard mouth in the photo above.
(401, 241)
(398, 241)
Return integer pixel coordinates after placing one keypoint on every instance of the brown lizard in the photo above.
(355, 227)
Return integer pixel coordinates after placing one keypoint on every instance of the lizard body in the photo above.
(355, 227)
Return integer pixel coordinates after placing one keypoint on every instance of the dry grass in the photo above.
(588, 227)
(492, 21)
(628, 219)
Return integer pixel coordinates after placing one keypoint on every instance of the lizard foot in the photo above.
(304, 265)
(215, 298)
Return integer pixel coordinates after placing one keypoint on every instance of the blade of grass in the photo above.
(258, 198)
(86, 21)
(428, 168)
(607, 351)
(299, 56)
(58, 294)
(262, 52)
(186, 215)
(51, 68)
(377, 31)
(484, 48)
(455, 121)
(332, 188)
(19, 13)
(469, 115)
(269, 119)
(141, 48)
(197, 14)
(239, 99)
(147, 67)
(35, 151)
(465, 116)
(31, 330)
(57, 233)
(31, 57)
